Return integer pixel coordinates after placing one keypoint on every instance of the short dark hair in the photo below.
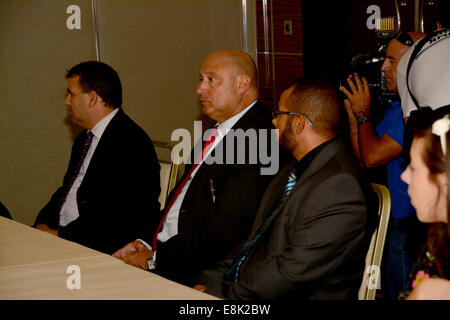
(101, 78)
(318, 98)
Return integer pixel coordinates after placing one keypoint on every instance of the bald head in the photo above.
(239, 62)
(228, 84)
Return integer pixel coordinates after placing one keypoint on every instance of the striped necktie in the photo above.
(68, 185)
(233, 272)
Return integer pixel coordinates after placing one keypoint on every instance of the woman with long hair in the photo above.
(427, 177)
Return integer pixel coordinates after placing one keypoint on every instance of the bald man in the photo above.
(312, 230)
(383, 145)
(212, 208)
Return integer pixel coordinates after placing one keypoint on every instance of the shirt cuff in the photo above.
(145, 244)
(151, 264)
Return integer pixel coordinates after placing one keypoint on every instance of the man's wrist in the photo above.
(149, 247)
(151, 260)
(363, 118)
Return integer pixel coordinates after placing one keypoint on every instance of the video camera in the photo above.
(369, 66)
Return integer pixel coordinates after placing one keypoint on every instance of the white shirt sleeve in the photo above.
(145, 244)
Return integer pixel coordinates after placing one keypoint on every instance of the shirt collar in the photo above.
(100, 127)
(303, 164)
(225, 126)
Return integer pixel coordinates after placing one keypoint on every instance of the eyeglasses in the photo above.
(277, 113)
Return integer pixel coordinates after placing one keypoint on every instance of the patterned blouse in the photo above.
(427, 266)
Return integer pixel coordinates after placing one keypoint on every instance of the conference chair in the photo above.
(169, 169)
(373, 259)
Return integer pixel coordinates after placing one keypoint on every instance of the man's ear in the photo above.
(93, 98)
(243, 83)
(298, 124)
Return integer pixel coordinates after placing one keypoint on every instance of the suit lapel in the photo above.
(98, 157)
(272, 195)
(275, 189)
(254, 114)
(243, 123)
(321, 159)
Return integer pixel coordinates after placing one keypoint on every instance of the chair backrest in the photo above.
(169, 170)
(373, 259)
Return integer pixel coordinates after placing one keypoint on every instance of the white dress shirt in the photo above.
(170, 226)
(69, 211)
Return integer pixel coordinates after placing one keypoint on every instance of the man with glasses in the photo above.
(213, 206)
(312, 230)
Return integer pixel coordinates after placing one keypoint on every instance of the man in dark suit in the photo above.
(212, 208)
(111, 187)
(312, 230)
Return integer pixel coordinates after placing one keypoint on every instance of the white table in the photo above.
(34, 265)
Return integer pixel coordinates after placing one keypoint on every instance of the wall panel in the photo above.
(36, 48)
(280, 55)
(156, 46)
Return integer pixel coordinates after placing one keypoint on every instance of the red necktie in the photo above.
(208, 143)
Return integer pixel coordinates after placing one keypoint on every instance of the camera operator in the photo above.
(382, 145)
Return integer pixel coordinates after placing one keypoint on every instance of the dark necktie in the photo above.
(68, 185)
(233, 272)
(208, 143)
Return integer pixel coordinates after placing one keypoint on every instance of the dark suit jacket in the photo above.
(208, 229)
(119, 193)
(315, 248)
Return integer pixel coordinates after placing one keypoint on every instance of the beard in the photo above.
(287, 139)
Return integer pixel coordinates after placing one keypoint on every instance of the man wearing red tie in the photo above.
(212, 208)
